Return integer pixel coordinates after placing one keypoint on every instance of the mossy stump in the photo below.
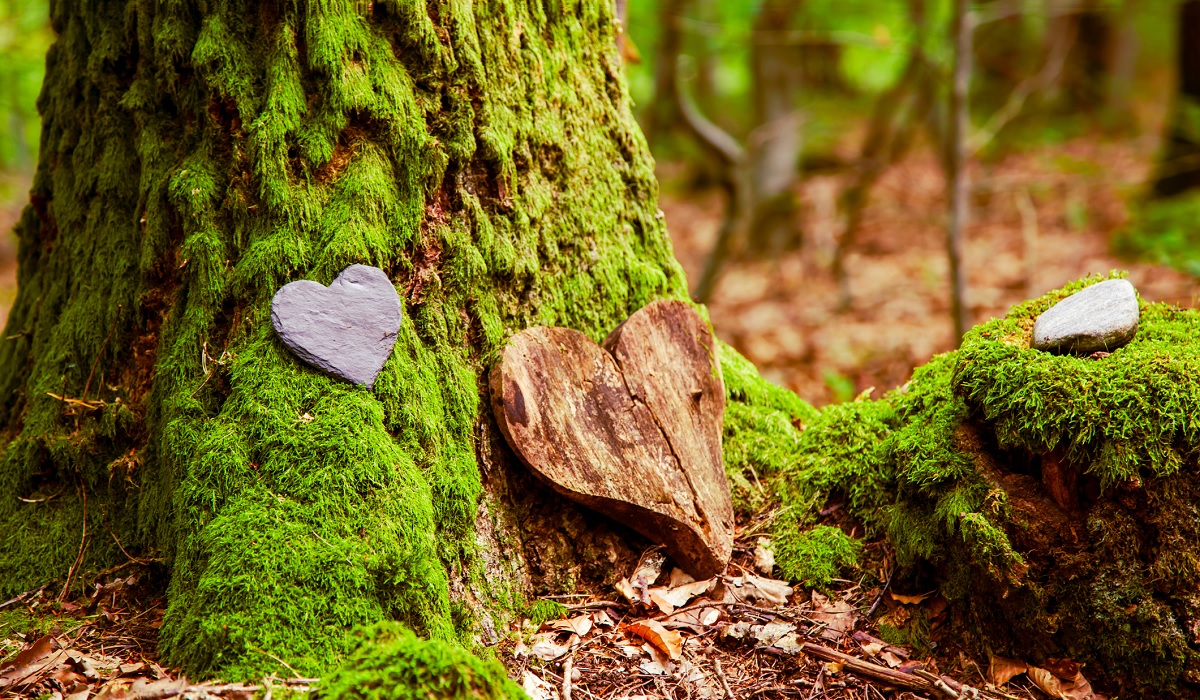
(1055, 498)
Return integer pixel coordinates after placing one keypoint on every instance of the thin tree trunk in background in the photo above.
(956, 175)
(664, 115)
(774, 145)
(1122, 63)
(1179, 169)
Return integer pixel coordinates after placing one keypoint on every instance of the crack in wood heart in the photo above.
(632, 430)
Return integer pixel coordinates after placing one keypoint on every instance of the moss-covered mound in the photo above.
(1057, 497)
(392, 664)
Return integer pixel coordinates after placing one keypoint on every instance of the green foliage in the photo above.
(544, 610)
(392, 664)
(24, 37)
(813, 557)
(1165, 231)
(205, 154)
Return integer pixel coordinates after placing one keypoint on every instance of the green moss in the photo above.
(813, 557)
(950, 466)
(392, 664)
(544, 610)
(1133, 412)
(194, 158)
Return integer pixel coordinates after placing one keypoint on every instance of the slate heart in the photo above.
(346, 329)
(632, 430)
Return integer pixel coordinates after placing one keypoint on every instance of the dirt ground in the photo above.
(1039, 219)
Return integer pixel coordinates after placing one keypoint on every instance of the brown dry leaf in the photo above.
(839, 617)
(873, 648)
(668, 600)
(659, 663)
(1078, 688)
(546, 649)
(519, 649)
(834, 667)
(1002, 670)
(29, 662)
(912, 599)
(143, 689)
(656, 596)
(580, 625)
(1066, 669)
(668, 641)
(1046, 681)
(79, 694)
(890, 659)
(764, 556)
(678, 578)
(767, 591)
(602, 619)
(698, 617)
(538, 689)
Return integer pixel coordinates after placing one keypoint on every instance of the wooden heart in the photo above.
(347, 329)
(632, 430)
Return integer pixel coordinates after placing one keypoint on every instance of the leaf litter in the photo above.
(102, 647)
(743, 634)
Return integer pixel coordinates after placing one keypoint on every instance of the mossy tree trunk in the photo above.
(195, 157)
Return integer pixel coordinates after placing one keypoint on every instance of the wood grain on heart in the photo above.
(632, 430)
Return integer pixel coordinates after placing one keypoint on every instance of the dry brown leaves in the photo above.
(737, 635)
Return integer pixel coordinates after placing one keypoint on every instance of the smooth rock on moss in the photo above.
(346, 329)
(1103, 316)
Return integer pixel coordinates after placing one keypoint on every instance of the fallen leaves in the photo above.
(1058, 678)
(667, 641)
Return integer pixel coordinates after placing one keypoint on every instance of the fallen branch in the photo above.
(867, 669)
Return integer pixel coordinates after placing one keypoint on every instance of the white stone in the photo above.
(1102, 317)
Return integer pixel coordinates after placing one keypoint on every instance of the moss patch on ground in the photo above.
(393, 664)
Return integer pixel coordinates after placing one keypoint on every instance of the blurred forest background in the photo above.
(831, 168)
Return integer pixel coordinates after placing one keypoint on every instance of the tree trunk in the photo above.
(197, 156)
(664, 115)
(1179, 169)
(774, 145)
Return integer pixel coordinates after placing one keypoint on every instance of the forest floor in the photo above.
(1040, 218)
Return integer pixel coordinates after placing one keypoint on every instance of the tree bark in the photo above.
(197, 156)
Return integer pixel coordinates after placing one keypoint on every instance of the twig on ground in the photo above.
(879, 598)
(724, 681)
(567, 667)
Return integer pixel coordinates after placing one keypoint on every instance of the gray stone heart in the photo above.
(346, 329)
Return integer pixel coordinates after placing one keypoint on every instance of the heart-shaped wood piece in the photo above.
(632, 430)
(347, 329)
